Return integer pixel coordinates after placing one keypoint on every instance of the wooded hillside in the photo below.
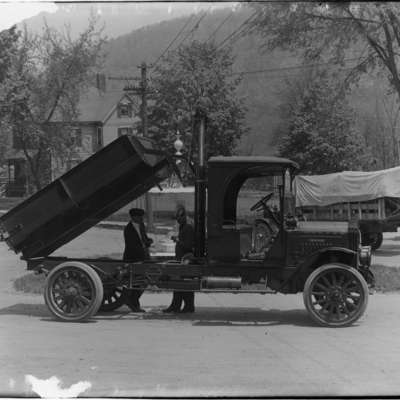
(263, 72)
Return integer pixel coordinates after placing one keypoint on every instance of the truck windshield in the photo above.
(252, 191)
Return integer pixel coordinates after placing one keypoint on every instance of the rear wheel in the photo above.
(73, 292)
(372, 239)
(113, 298)
(335, 295)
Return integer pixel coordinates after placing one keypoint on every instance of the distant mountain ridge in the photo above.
(120, 18)
(141, 34)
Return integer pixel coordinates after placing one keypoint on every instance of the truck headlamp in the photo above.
(365, 256)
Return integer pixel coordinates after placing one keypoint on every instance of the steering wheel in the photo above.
(262, 201)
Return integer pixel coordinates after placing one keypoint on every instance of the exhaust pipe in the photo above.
(212, 282)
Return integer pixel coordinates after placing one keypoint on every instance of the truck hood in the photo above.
(322, 226)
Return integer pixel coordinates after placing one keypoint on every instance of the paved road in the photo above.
(234, 345)
(388, 257)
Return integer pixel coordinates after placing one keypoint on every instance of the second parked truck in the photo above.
(373, 198)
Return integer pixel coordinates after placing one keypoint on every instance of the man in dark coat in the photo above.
(137, 245)
(184, 245)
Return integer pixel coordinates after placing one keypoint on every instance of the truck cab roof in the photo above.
(256, 166)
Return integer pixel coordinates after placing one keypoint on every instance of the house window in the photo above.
(76, 137)
(99, 136)
(124, 110)
(125, 130)
(17, 143)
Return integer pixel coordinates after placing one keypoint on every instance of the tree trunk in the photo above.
(35, 171)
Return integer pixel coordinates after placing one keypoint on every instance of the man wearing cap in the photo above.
(137, 245)
(184, 245)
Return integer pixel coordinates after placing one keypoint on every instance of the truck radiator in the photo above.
(310, 248)
(354, 238)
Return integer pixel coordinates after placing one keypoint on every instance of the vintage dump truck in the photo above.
(371, 197)
(324, 261)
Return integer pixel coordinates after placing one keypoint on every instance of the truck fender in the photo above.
(322, 257)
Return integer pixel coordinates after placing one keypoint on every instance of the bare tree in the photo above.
(380, 129)
(329, 31)
(48, 75)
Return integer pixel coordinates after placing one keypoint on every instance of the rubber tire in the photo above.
(375, 244)
(95, 290)
(115, 304)
(309, 298)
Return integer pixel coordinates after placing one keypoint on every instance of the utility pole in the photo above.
(145, 125)
(200, 190)
(143, 91)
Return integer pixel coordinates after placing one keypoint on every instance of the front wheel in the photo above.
(335, 295)
(73, 292)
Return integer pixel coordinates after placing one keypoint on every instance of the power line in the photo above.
(219, 27)
(240, 27)
(239, 36)
(177, 35)
(290, 68)
(176, 48)
(272, 57)
(194, 27)
(286, 75)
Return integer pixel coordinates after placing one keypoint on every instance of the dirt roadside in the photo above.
(234, 345)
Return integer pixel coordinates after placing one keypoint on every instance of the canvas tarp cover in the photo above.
(348, 186)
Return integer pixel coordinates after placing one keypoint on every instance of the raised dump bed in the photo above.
(84, 196)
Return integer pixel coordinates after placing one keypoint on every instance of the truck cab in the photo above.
(277, 241)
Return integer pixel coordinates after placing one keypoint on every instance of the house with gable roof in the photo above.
(104, 116)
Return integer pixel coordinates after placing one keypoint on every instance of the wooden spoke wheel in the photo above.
(114, 297)
(335, 295)
(73, 292)
(262, 236)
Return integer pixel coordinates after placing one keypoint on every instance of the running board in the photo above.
(234, 291)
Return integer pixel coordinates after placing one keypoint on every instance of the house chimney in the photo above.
(101, 82)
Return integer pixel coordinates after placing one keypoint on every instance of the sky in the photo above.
(12, 12)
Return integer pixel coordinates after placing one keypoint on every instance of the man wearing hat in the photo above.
(137, 245)
(184, 245)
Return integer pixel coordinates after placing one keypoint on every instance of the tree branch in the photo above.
(338, 19)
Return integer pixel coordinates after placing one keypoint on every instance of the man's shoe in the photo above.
(129, 303)
(170, 310)
(186, 311)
